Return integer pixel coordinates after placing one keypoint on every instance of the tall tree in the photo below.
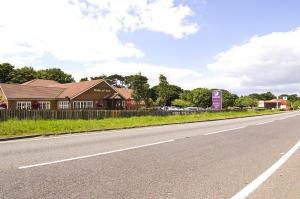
(55, 74)
(201, 97)
(163, 90)
(153, 93)
(24, 74)
(140, 86)
(6, 71)
(228, 99)
(175, 93)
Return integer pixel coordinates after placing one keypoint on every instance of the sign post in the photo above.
(217, 100)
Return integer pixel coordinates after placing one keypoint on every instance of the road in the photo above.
(257, 157)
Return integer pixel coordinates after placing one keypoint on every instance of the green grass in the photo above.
(15, 128)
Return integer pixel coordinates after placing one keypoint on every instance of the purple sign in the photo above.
(217, 100)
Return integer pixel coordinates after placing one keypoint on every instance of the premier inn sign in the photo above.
(217, 100)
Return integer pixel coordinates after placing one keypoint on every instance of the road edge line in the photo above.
(246, 191)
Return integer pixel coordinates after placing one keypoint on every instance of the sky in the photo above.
(242, 46)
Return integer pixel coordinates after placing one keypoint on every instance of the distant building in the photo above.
(51, 95)
(269, 104)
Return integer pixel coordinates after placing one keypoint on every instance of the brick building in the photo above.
(48, 94)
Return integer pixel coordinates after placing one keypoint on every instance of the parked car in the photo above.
(191, 109)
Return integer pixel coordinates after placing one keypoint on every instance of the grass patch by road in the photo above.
(16, 128)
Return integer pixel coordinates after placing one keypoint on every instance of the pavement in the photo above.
(257, 157)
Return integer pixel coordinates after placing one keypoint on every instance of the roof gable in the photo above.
(72, 90)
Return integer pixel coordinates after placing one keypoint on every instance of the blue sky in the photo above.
(244, 46)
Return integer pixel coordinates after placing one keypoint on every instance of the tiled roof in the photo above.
(41, 82)
(17, 91)
(74, 89)
(47, 89)
(125, 92)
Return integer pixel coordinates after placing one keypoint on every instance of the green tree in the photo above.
(175, 93)
(100, 77)
(201, 97)
(295, 104)
(84, 79)
(6, 72)
(140, 87)
(186, 95)
(117, 80)
(55, 74)
(267, 96)
(228, 99)
(255, 96)
(163, 90)
(24, 74)
(245, 101)
(153, 93)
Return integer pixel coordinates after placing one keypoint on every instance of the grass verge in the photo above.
(17, 128)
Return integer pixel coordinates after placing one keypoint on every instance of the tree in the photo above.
(84, 79)
(55, 74)
(201, 97)
(140, 86)
(246, 101)
(153, 93)
(255, 96)
(99, 77)
(228, 99)
(163, 90)
(186, 95)
(24, 74)
(267, 96)
(117, 80)
(175, 93)
(295, 104)
(6, 71)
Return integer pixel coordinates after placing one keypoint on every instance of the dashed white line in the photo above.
(245, 192)
(93, 155)
(262, 123)
(222, 131)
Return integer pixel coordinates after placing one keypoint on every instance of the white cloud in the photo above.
(83, 31)
(269, 62)
(186, 78)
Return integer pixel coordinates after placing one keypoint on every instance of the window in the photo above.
(24, 105)
(44, 105)
(63, 104)
(82, 104)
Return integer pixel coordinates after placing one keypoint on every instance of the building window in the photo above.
(23, 105)
(63, 104)
(83, 104)
(44, 105)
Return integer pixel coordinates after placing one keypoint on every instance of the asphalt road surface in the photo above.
(257, 157)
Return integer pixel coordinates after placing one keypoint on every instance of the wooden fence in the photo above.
(80, 114)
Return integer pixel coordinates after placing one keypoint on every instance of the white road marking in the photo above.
(222, 131)
(262, 123)
(245, 192)
(93, 155)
